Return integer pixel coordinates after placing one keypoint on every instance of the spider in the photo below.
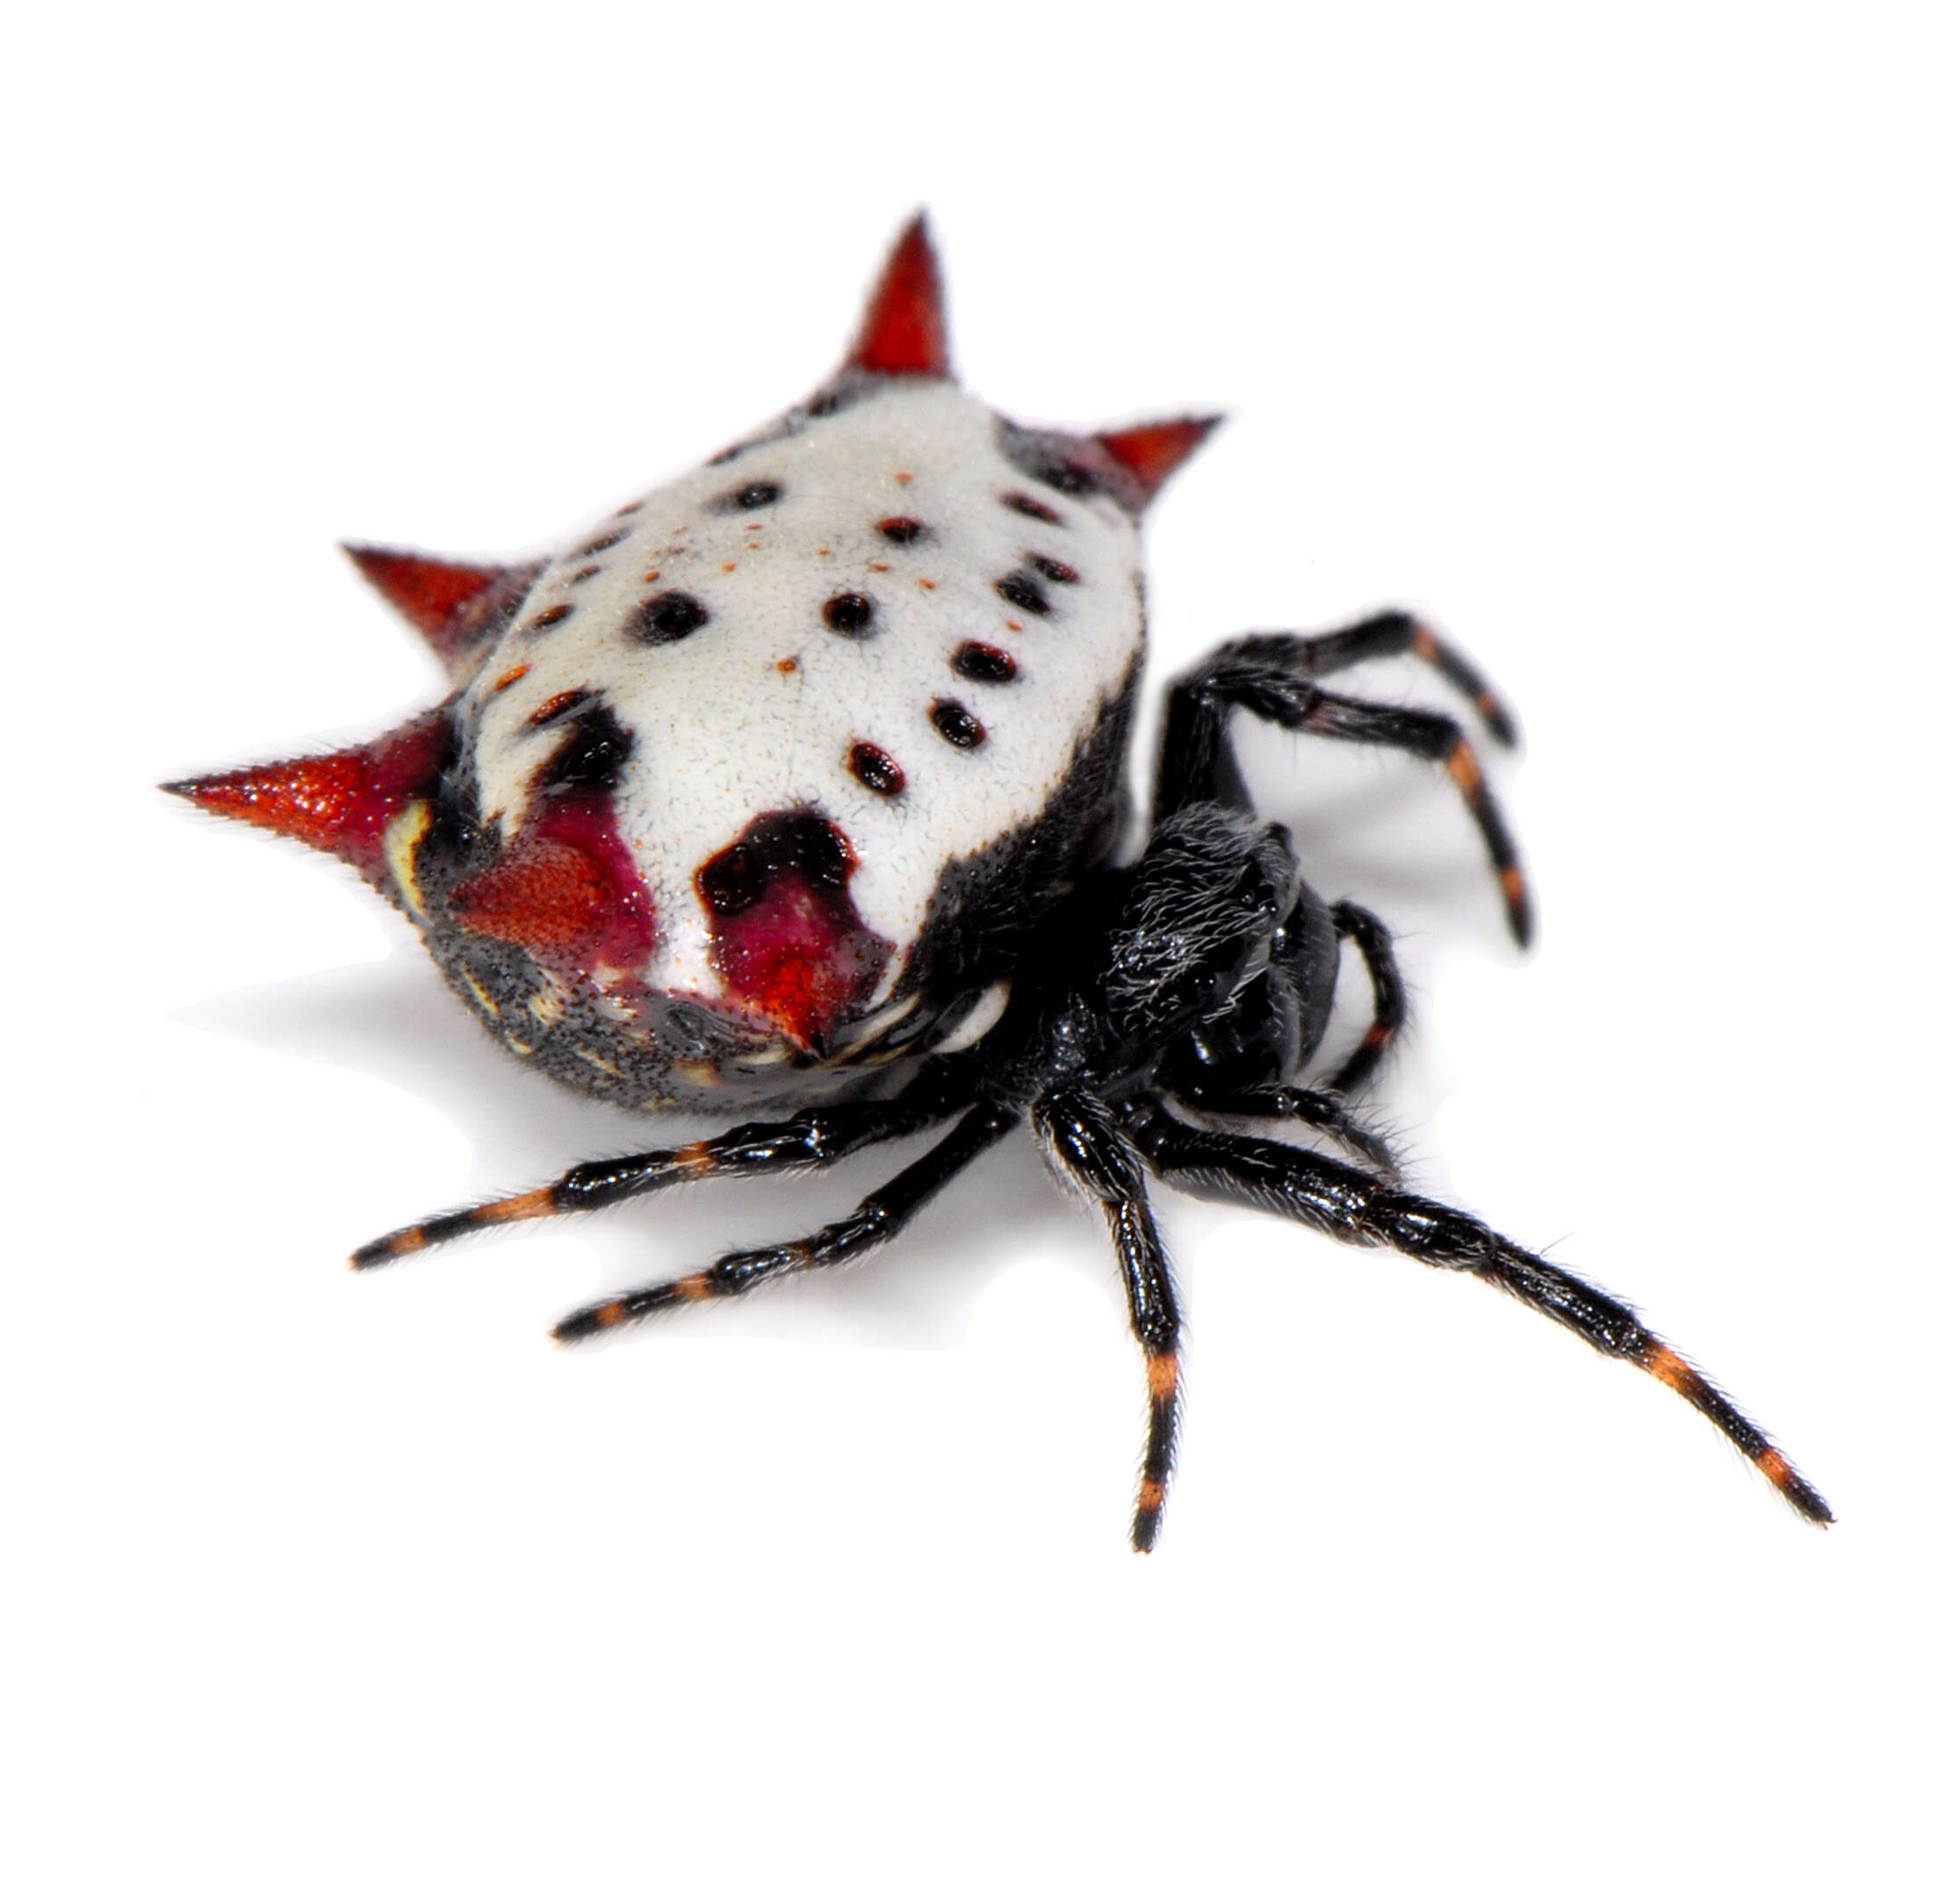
(711, 815)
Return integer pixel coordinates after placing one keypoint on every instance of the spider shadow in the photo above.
(393, 1022)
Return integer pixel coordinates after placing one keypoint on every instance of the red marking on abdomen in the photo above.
(788, 940)
(567, 890)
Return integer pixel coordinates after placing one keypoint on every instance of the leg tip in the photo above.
(386, 1249)
(588, 1321)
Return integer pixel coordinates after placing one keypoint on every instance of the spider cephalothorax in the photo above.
(801, 782)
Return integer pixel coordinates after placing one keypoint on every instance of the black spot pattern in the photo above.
(599, 542)
(666, 617)
(850, 613)
(957, 724)
(1034, 508)
(1023, 591)
(552, 614)
(876, 769)
(1065, 476)
(791, 841)
(756, 493)
(732, 881)
(1063, 575)
(901, 529)
(984, 664)
(593, 756)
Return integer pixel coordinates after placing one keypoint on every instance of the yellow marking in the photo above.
(403, 1241)
(482, 1000)
(398, 843)
(1513, 880)
(604, 1065)
(547, 1004)
(609, 1315)
(523, 1049)
(1161, 1372)
(1776, 1466)
(695, 1159)
(1149, 1496)
(1424, 643)
(698, 1072)
(695, 1288)
(1664, 1365)
(1462, 766)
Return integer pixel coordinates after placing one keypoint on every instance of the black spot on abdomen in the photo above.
(666, 617)
(956, 723)
(850, 613)
(984, 664)
(876, 769)
(1023, 591)
(592, 757)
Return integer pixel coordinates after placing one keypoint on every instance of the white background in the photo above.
(1622, 341)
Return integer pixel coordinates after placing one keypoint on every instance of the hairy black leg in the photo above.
(1196, 767)
(882, 1215)
(811, 1139)
(1358, 1208)
(1270, 674)
(1377, 949)
(1321, 1110)
(1401, 635)
(1090, 1151)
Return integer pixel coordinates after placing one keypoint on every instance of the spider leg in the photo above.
(1089, 1150)
(1399, 635)
(1270, 674)
(811, 1139)
(1357, 1208)
(1321, 1110)
(1377, 949)
(882, 1215)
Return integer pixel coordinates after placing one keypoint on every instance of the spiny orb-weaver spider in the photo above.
(800, 784)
